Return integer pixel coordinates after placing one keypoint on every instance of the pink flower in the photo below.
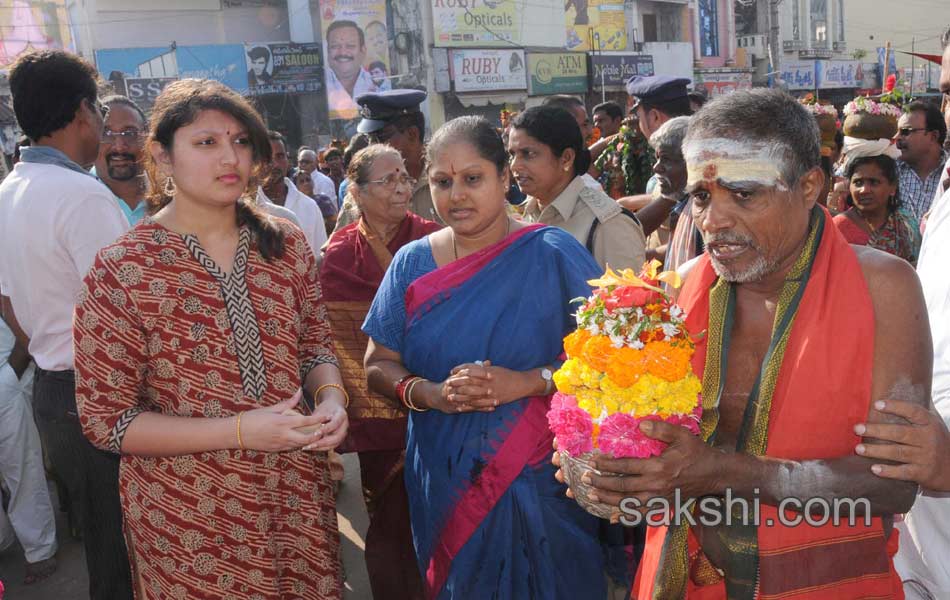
(690, 421)
(620, 437)
(572, 426)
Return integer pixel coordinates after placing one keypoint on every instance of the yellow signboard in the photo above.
(595, 25)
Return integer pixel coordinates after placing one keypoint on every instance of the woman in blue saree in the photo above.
(465, 331)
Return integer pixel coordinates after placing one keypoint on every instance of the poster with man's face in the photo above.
(356, 41)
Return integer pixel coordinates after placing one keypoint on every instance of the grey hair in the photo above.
(766, 117)
(669, 137)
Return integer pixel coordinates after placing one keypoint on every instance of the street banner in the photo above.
(356, 47)
(144, 90)
(283, 68)
(27, 25)
(596, 25)
(799, 74)
(832, 74)
(223, 63)
(721, 84)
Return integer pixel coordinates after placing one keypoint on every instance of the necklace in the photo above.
(455, 247)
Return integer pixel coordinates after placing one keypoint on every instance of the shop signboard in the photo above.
(561, 73)
(488, 70)
(614, 70)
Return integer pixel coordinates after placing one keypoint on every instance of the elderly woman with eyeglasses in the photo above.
(355, 259)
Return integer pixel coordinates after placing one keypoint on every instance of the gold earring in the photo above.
(170, 188)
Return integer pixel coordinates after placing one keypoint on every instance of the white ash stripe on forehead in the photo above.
(735, 161)
(697, 150)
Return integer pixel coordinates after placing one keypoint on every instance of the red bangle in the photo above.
(401, 386)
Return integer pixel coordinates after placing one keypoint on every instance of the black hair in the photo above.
(933, 118)
(357, 143)
(125, 101)
(378, 64)
(276, 136)
(839, 139)
(412, 119)
(698, 97)
(945, 40)
(48, 87)
(677, 107)
(258, 52)
(343, 24)
(888, 167)
(564, 101)
(477, 132)
(557, 129)
(612, 109)
(179, 105)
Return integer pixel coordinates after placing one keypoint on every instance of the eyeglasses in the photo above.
(131, 136)
(390, 181)
(905, 131)
(381, 136)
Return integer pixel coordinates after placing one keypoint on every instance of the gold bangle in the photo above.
(240, 441)
(409, 396)
(332, 385)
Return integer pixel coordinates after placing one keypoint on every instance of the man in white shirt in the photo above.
(322, 184)
(347, 79)
(54, 217)
(278, 189)
(925, 533)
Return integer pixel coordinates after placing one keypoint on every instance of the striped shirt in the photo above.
(916, 195)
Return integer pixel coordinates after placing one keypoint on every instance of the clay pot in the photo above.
(573, 467)
(828, 125)
(870, 127)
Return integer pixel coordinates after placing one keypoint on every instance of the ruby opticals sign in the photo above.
(488, 70)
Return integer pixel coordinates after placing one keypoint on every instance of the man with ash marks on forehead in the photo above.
(796, 321)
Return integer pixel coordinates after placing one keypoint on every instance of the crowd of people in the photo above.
(193, 328)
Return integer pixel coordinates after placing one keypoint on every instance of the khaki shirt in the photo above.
(618, 240)
(420, 203)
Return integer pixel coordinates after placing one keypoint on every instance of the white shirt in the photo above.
(307, 211)
(322, 184)
(53, 221)
(339, 101)
(932, 270)
(925, 536)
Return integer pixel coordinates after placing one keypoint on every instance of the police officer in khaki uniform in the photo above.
(394, 118)
(548, 161)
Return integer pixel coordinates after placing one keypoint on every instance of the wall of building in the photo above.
(139, 25)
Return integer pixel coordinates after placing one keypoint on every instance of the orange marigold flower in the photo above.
(574, 343)
(598, 351)
(626, 367)
(667, 361)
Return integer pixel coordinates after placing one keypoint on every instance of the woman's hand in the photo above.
(275, 428)
(482, 387)
(922, 447)
(333, 427)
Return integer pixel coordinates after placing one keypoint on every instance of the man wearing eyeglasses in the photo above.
(119, 164)
(54, 218)
(920, 136)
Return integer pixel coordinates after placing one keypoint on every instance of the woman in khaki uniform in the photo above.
(548, 160)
